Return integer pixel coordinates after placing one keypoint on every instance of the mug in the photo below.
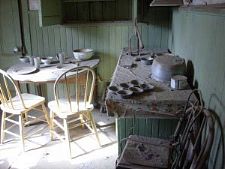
(61, 57)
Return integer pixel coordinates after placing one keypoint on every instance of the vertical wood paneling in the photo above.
(75, 37)
(26, 26)
(141, 128)
(51, 41)
(143, 28)
(15, 21)
(81, 37)
(63, 40)
(45, 40)
(129, 126)
(105, 33)
(93, 37)
(121, 125)
(58, 39)
(150, 127)
(135, 124)
(199, 38)
(40, 45)
(33, 25)
(87, 37)
(164, 35)
(9, 27)
(69, 41)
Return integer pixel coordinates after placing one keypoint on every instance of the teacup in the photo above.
(24, 59)
(46, 60)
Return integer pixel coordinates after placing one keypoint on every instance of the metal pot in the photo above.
(167, 65)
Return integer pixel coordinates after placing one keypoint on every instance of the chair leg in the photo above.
(46, 114)
(94, 127)
(25, 116)
(21, 125)
(3, 127)
(51, 124)
(82, 120)
(67, 137)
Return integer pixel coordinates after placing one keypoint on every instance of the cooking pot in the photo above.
(167, 65)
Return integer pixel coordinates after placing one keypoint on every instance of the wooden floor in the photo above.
(44, 154)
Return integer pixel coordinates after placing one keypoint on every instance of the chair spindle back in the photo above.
(8, 90)
(76, 86)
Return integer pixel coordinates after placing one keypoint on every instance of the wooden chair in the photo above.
(190, 148)
(73, 91)
(194, 147)
(16, 105)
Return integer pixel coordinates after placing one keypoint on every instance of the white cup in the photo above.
(61, 57)
(37, 61)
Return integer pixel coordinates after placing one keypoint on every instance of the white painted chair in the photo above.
(73, 91)
(16, 105)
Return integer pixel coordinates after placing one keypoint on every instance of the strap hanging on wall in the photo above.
(23, 47)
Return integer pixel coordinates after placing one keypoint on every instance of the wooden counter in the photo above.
(152, 113)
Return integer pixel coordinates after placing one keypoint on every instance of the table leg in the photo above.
(27, 88)
(19, 86)
(39, 90)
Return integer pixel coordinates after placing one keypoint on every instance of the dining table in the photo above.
(25, 72)
(46, 73)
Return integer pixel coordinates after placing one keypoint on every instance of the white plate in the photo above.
(24, 70)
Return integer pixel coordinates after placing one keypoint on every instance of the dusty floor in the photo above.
(42, 153)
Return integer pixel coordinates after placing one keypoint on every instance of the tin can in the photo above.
(178, 82)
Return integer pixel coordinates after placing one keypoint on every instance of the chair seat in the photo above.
(65, 107)
(30, 101)
(145, 153)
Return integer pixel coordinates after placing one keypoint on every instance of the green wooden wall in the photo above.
(198, 36)
(9, 33)
(150, 127)
(107, 39)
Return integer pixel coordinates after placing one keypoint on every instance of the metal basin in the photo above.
(167, 65)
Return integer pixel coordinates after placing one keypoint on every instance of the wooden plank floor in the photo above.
(43, 153)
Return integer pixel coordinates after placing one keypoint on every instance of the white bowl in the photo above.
(46, 60)
(24, 59)
(83, 54)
